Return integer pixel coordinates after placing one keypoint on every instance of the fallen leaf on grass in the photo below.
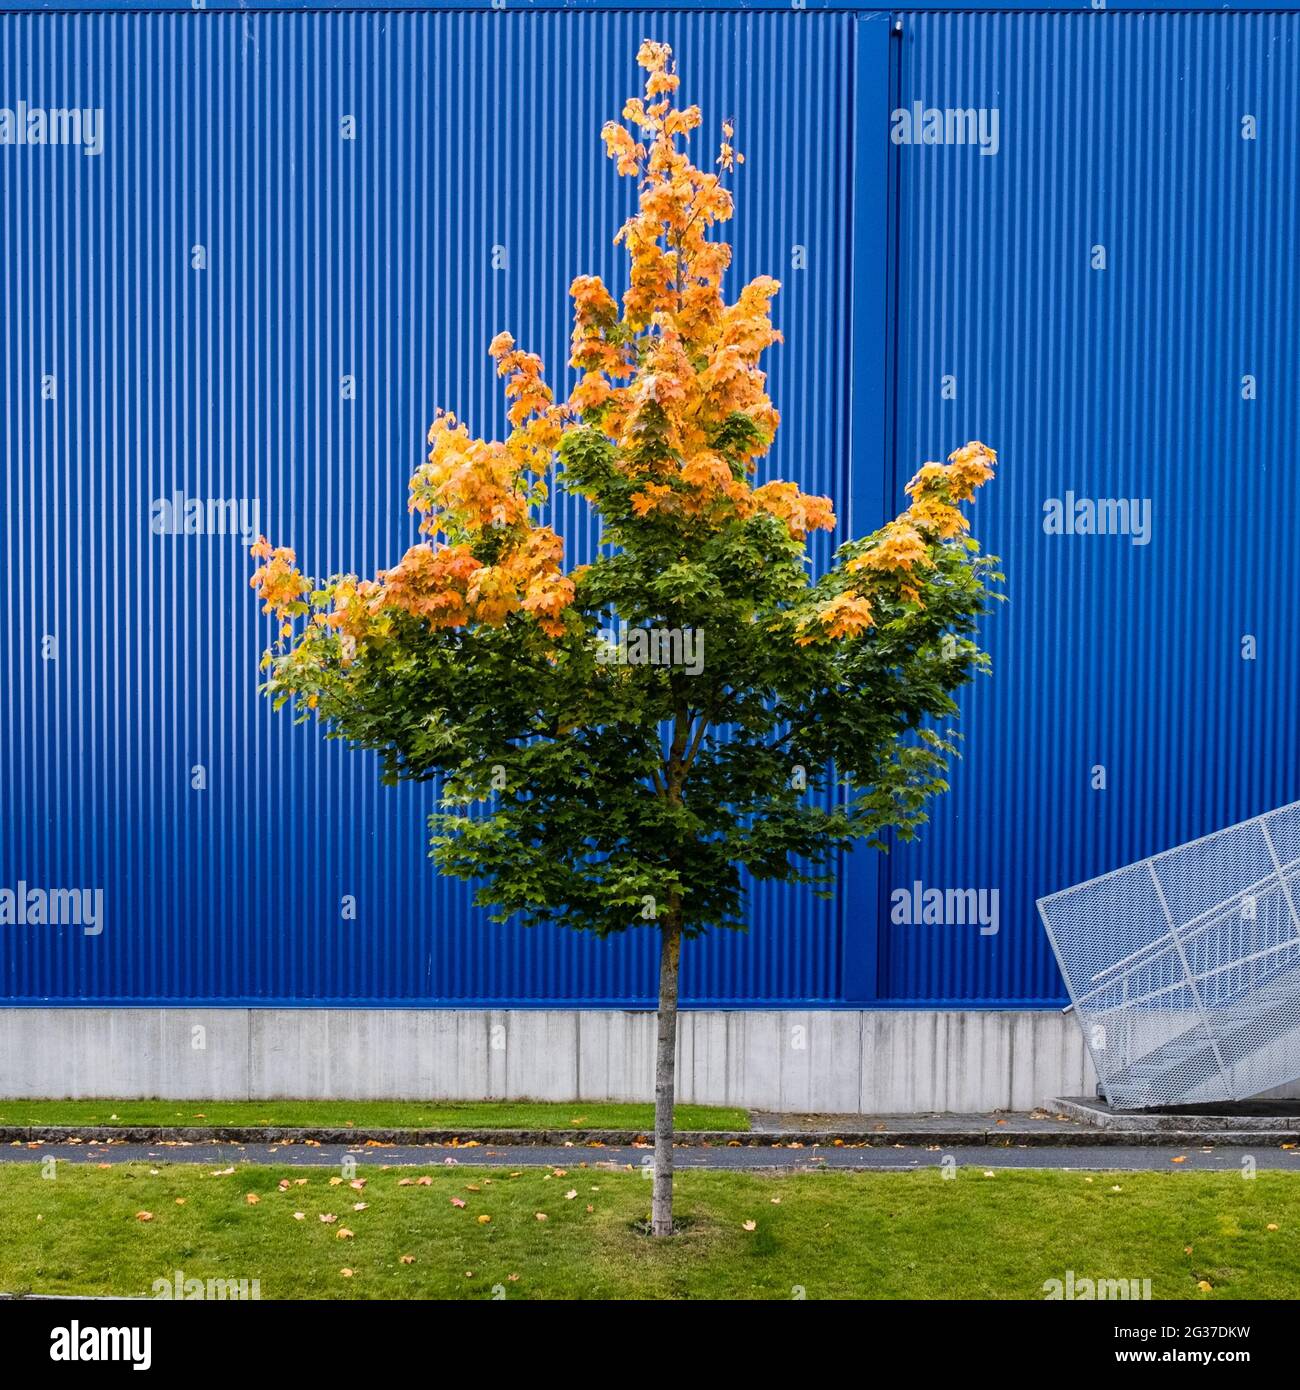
(749, 1225)
(1204, 1285)
(346, 1273)
(252, 1199)
(180, 1201)
(407, 1259)
(458, 1201)
(1272, 1226)
(342, 1233)
(328, 1217)
(484, 1219)
(336, 1182)
(357, 1183)
(144, 1216)
(425, 1181)
(571, 1194)
(541, 1216)
(300, 1216)
(360, 1206)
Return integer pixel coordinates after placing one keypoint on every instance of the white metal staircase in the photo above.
(1184, 969)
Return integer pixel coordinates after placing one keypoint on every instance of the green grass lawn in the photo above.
(376, 1114)
(819, 1235)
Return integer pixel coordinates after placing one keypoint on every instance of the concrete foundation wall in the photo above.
(782, 1060)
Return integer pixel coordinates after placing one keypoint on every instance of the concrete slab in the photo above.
(1270, 1116)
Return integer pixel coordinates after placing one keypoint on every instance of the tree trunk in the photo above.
(661, 1220)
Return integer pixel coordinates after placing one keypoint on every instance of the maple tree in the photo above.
(582, 787)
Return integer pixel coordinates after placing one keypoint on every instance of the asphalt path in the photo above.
(1138, 1158)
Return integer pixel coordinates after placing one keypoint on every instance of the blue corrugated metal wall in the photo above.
(476, 137)
(1125, 132)
(127, 658)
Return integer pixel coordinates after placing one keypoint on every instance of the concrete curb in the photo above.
(1001, 1137)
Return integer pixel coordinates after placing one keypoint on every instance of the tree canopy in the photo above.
(618, 744)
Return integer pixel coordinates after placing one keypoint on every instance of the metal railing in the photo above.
(1184, 969)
